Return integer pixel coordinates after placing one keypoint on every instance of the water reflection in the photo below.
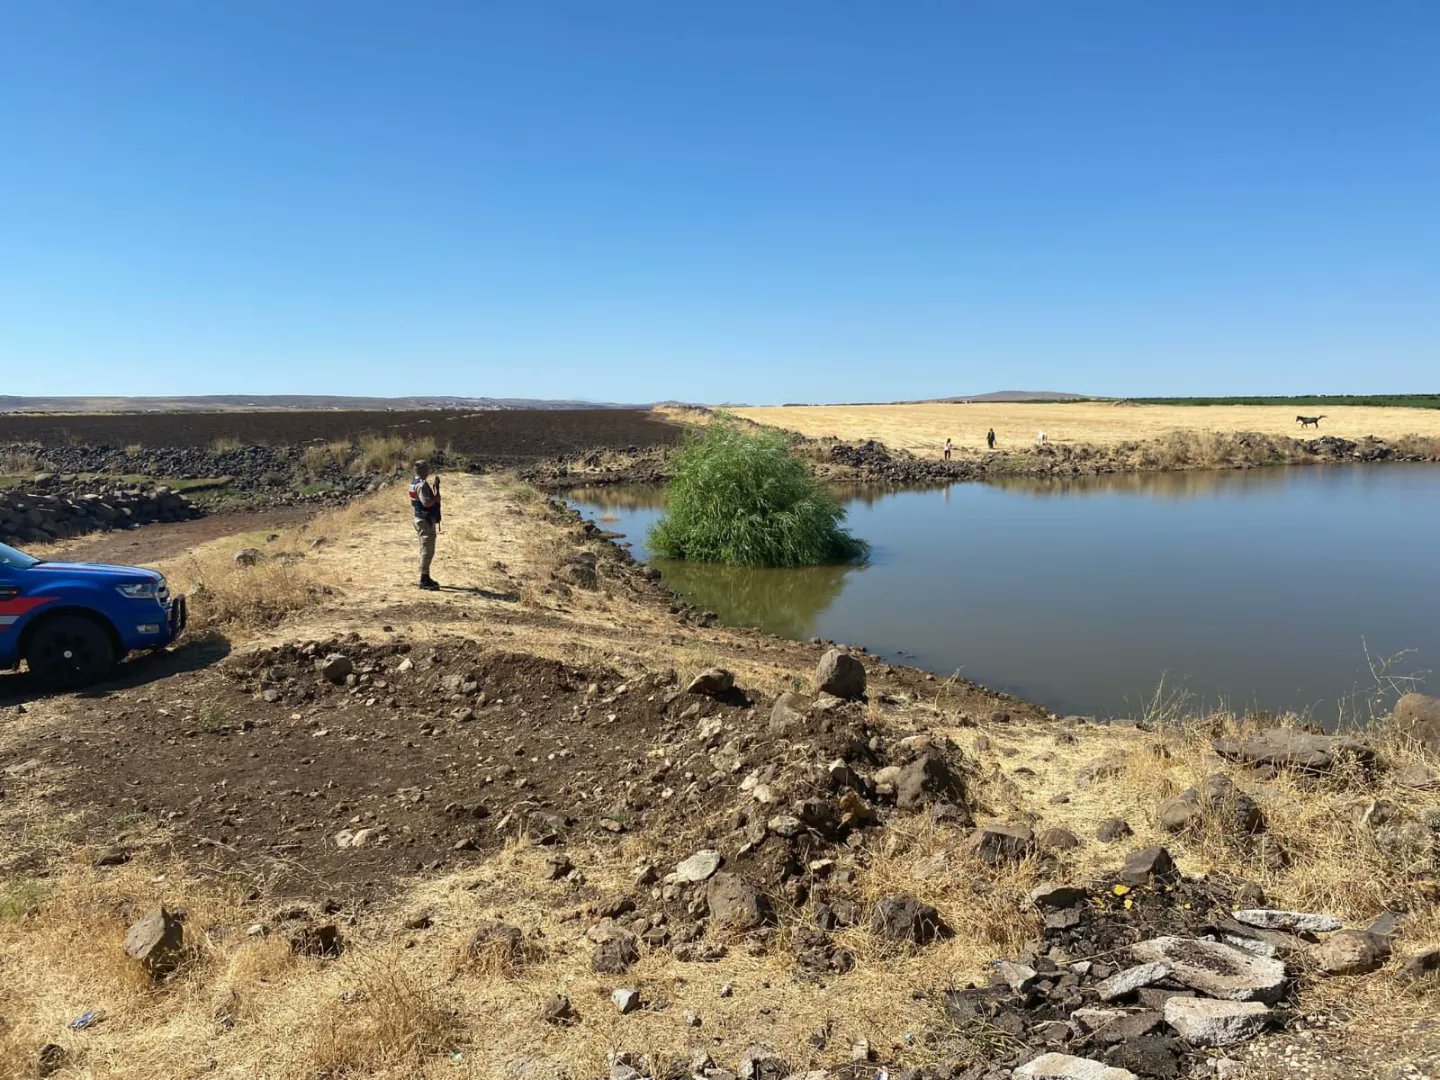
(786, 602)
(1173, 485)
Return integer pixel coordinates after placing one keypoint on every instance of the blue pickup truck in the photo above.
(72, 622)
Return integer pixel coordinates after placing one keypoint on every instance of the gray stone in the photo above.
(615, 955)
(1205, 1022)
(840, 674)
(1221, 971)
(1057, 896)
(1416, 776)
(712, 682)
(1057, 839)
(1418, 716)
(1087, 1021)
(903, 919)
(1352, 952)
(157, 940)
(1110, 763)
(1130, 980)
(762, 1063)
(1292, 921)
(734, 903)
(627, 1001)
(336, 668)
(1065, 1067)
(925, 780)
(1282, 748)
(249, 557)
(996, 844)
(1019, 977)
(1112, 829)
(1148, 864)
(788, 714)
(698, 867)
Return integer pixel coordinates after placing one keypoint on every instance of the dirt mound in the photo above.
(332, 768)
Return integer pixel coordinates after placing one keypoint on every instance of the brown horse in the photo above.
(1310, 421)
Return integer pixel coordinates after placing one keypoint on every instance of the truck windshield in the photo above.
(16, 560)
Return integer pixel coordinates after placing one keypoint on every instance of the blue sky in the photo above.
(743, 201)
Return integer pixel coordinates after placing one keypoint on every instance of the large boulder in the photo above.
(1216, 800)
(840, 675)
(734, 903)
(1218, 970)
(615, 954)
(1147, 865)
(1418, 715)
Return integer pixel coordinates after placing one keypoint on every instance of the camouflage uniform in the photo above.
(425, 501)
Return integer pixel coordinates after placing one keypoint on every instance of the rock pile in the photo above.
(51, 511)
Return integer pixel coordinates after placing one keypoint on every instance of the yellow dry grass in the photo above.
(923, 429)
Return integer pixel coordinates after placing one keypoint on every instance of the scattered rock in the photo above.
(627, 1001)
(1416, 775)
(996, 844)
(1148, 864)
(557, 865)
(51, 1059)
(840, 674)
(1221, 971)
(787, 715)
(698, 867)
(1112, 829)
(1110, 763)
(712, 682)
(1131, 979)
(1065, 1067)
(1057, 838)
(1418, 715)
(1019, 977)
(157, 940)
(762, 1063)
(1205, 1022)
(734, 903)
(903, 919)
(1292, 921)
(1352, 952)
(1057, 896)
(249, 557)
(615, 955)
(498, 941)
(336, 668)
(925, 780)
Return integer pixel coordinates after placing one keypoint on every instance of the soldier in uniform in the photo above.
(425, 501)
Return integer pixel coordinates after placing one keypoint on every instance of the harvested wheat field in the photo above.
(545, 824)
(922, 429)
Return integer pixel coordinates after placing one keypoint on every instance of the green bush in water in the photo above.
(742, 498)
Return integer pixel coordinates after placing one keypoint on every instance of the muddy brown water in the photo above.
(1267, 589)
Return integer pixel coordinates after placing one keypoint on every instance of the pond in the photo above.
(1267, 589)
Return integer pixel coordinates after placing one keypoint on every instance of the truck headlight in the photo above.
(144, 590)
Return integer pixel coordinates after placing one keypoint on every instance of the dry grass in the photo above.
(224, 444)
(922, 429)
(390, 454)
(318, 457)
(19, 462)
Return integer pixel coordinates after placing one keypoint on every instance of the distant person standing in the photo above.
(990, 438)
(1040, 437)
(949, 446)
(425, 502)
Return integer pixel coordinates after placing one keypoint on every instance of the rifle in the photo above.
(437, 503)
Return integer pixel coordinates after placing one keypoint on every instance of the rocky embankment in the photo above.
(871, 461)
(54, 510)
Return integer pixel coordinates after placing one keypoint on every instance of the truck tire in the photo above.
(66, 651)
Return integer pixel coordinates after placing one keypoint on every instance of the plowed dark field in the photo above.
(502, 436)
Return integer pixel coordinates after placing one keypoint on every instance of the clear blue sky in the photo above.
(726, 201)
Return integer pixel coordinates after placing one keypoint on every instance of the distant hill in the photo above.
(1019, 395)
(252, 402)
